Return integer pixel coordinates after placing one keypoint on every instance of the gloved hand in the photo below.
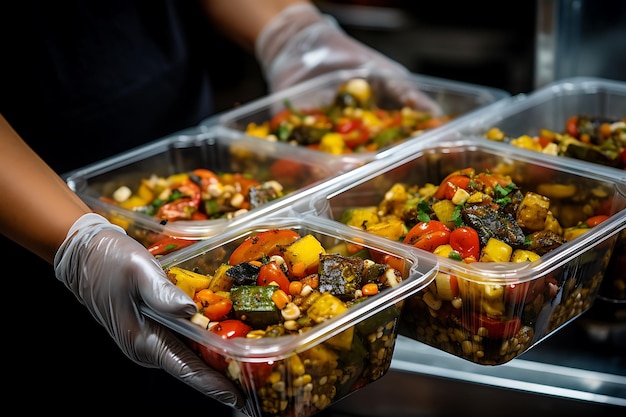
(112, 274)
(301, 43)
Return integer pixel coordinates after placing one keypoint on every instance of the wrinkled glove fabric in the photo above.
(113, 275)
(301, 43)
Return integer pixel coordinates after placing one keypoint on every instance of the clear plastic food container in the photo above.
(592, 112)
(150, 175)
(490, 312)
(455, 99)
(282, 370)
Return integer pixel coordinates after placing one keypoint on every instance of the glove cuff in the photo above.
(282, 28)
(78, 236)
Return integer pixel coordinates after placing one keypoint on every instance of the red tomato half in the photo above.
(212, 305)
(227, 329)
(428, 235)
(168, 245)
(443, 189)
(271, 272)
(571, 126)
(465, 240)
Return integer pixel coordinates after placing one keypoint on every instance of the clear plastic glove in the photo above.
(301, 43)
(112, 274)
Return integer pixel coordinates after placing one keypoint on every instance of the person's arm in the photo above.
(293, 42)
(110, 273)
(243, 20)
(39, 207)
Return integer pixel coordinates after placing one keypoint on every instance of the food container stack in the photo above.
(523, 241)
(186, 187)
(315, 225)
(333, 335)
(581, 118)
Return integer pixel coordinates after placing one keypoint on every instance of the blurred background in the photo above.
(515, 46)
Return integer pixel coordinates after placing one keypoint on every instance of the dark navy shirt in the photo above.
(85, 80)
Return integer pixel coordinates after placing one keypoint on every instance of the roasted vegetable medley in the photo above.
(197, 195)
(278, 282)
(485, 217)
(593, 139)
(353, 122)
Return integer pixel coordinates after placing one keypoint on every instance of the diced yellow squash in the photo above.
(188, 281)
(178, 178)
(444, 250)
(221, 281)
(133, 202)
(572, 233)
(521, 255)
(260, 131)
(370, 119)
(495, 134)
(360, 217)
(326, 307)
(526, 142)
(145, 192)
(496, 251)
(444, 209)
(303, 256)
(332, 143)
(392, 229)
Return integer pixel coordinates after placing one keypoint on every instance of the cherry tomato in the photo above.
(213, 305)
(271, 272)
(168, 245)
(571, 126)
(491, 180)
(262, 244)
(431, 241)
(449, 189)
(227, 329)
(181, 209)
(544, 141)
(465, 240)
(206, 177)
(441, 192)
(191, 190)
(596, 220)
(428, 235)
(354, 132)
(395, 262)
(280, 118)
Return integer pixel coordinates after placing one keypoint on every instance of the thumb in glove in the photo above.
(112, 275)
(301, 43)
